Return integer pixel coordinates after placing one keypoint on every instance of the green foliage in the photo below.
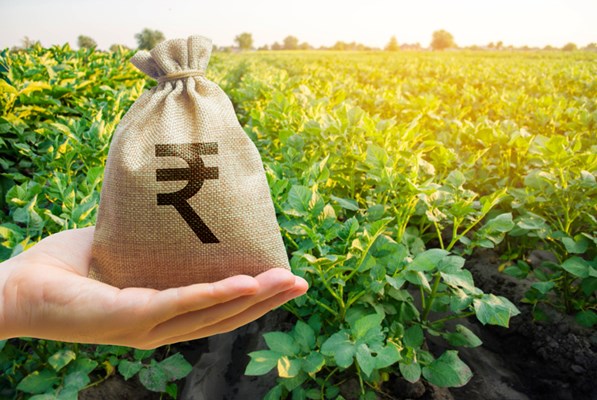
(556, 212)
(377, 212)
(386, 171)
(57, 371)
(58, 110)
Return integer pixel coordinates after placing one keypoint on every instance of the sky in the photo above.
(317, 22)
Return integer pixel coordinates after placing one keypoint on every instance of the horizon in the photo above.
(319, 24)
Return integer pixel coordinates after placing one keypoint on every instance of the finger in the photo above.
(271, 284)
(164, 305)
(236, 321)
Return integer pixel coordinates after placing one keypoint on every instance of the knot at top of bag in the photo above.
(175, 59)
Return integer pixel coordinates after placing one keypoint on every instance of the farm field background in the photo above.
(387, 170)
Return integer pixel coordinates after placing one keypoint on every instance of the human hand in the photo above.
(45, 293)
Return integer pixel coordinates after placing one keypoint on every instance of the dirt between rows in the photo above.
(528, 361)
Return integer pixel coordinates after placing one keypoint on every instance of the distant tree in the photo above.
(491, 45)
(276, 46)
(264, 47)
(413, 46)
(244, 41)
(86, 42)
(499, 45)
(115, 48)
(291, 43)
(442, 40)
(304, 46)
(148, 38)
(339, 46)
(28, 43)
(392, 45)
(549, 48)
(590, 47)
(569, 47)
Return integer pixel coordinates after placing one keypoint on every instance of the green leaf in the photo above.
(68, 393)
(427, 260)
(340, 347)
(463, 337)
(389, 355)
(413, 337)
(140, 355)
(348, 204)
(462, 279)
(172, 390)
(38, 381)
(83, 210)
(456, 178)
(448, 371)
(578, 246)
(313, 394)
(494, 310)
(313, 363)
(154, 377)
(411, 372)
(76, 380)
(299, 198)
(576, 266)
(31, 87)
(451, 264)
(543, 287)
(274, 394)
(262, 362)
(586, 318)
(127, 368)
(84, 365)
(289, 367)
(43, 397)
(176, 367)
(520, 270)
(304, 335)
(61, 359)
(2, 344)
(502, 223)
(282, 343)
(292, 383)
(365, 359)
(365, 324)
(417, 278)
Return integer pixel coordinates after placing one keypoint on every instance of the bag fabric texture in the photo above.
(185, 198)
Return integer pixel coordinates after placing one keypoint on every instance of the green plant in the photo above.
(557, 213)
(366, 287)
(386, 171)
(49, 370)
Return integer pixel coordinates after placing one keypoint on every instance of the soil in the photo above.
(556, 360)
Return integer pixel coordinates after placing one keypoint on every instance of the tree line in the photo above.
(440, 40)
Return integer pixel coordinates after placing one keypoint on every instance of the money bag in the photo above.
(185, 198)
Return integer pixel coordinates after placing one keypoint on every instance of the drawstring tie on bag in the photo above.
(180, 74)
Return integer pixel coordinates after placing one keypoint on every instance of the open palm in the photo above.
(45, 293)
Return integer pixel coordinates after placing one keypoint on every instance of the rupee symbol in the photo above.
(195, 175)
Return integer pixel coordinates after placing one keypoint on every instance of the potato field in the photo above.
(429, 198)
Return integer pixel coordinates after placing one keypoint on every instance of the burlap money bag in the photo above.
(185, 198)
